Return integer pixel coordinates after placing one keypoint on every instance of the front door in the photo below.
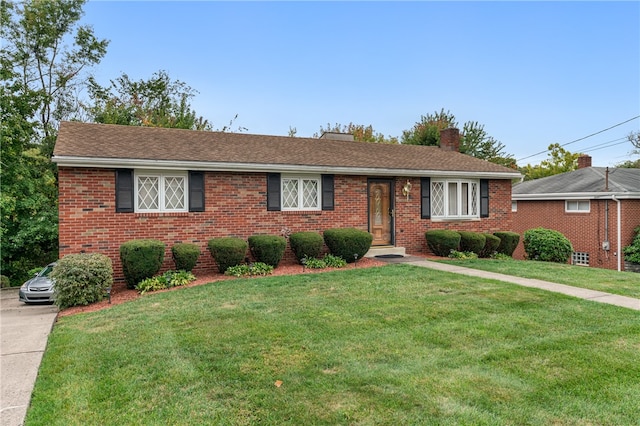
(381, 211)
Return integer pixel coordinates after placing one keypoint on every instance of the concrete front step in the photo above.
(382, 250)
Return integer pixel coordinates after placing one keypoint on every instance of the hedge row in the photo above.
(441, 242)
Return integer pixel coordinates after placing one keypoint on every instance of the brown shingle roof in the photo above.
(114, 142)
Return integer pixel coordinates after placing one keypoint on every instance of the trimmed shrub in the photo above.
(442, 241)
(141, 259)
(508, 242)
(547, 245)
(227, 251)
(490, 246)
(267, 249)
(306, 244)
(472, 241)
(81, 279)
(185, 256)
(350, 244)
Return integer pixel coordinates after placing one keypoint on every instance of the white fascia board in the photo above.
(120, 163)
(575, 196)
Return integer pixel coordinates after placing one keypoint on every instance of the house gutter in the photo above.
(120, 163)
(619, 232)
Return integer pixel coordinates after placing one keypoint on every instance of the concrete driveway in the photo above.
(24, 330)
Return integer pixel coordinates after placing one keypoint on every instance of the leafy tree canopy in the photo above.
(360, 132)
(157, 102)
(560, 161)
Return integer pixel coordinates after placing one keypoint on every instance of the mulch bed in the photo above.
(120, 293)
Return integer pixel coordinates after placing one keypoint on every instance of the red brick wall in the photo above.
(236, 206)
(586, 231)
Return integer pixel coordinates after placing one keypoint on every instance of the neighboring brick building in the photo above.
(118, 183)
(596, 208)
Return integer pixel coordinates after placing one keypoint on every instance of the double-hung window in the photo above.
(300, 192)
(160, 192)
(455, 198)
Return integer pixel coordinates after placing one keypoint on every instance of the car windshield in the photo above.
(46, 271)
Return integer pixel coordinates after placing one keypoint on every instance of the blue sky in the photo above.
(533, 73)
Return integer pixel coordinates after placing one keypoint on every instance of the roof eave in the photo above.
(575, 196)
(119, 163)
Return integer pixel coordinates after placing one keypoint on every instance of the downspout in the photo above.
(613, 197)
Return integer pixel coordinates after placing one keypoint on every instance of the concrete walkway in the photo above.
(582, 293)
(24, 331)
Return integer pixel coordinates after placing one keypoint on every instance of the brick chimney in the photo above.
(450, 139)
(584, 161)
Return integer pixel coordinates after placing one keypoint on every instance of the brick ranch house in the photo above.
(596, 208)
(118, 183)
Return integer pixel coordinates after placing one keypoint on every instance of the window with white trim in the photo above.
(580, 258)
(300, 192)
(160, 192)
(455, 198)
(514, 206)
(577, 206)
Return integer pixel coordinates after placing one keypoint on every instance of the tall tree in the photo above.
(157, 102)
(474, 139)
(36, 46)
(360, 133)
(560, 161)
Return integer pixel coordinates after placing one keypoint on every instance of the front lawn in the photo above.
(388, 345)
(622, 283)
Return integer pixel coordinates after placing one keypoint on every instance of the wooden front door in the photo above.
(381, 211)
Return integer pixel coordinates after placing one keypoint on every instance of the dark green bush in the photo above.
(632, 251)
(442, 241)
(472, 241)
(141, 259)
(185, 256)
(490, 246)
(81, 279)
(547, 245)
(350, 244)
(268, 249)
(228, 251)
(508, 242)
(306, 244)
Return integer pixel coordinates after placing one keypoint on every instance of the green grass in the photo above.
(382, 346)
(622, 283)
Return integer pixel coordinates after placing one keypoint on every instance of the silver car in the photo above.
(39, 288)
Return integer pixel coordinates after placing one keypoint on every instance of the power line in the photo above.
(582, 138)
(603, 147)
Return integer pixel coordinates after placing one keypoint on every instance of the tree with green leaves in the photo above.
(35, 34)
(560, 161)
(360, 133)
(156, 102)
(39, 76)
(474, 139)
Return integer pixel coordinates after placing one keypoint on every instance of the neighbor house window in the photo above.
(580, 258)
(577, 206)
(300, 192)
(514, 206)
(455, 198)
(160, 192)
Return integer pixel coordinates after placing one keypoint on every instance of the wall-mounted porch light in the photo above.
(406, 189)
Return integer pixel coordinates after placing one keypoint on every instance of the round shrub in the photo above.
(632, 251)
(141, 259)
(442, 241)
(472, 241)
(81, 279)
(350, 244)
(268, 249)
(306, 245)
(185, 256)
(547, 245)
(227, 251)
(508, 242)
(490, 246)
